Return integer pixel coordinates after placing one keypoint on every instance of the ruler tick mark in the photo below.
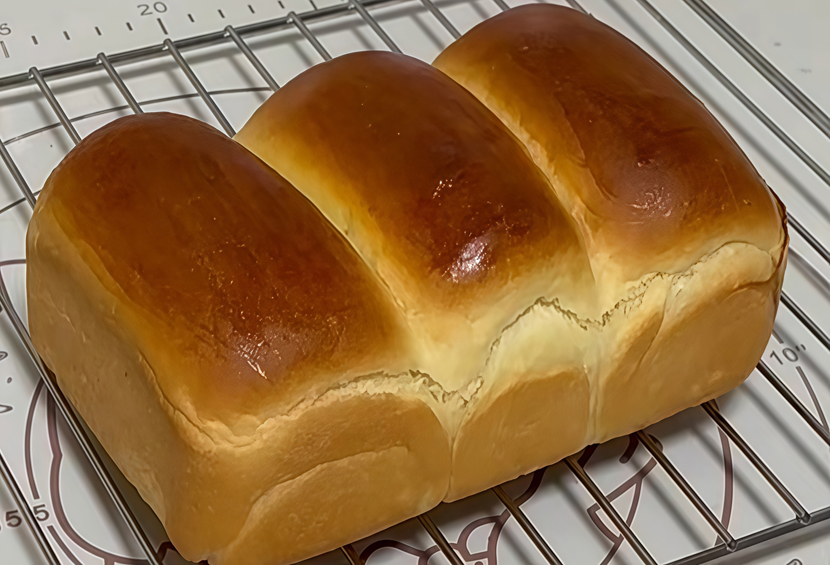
(251, 8)
(34, 40)
(129, 26)
(66, 35)
(98, 30)
(191, 17)
(313, 5)
(222, 15)
(5, 51)
(161, 25)
(281, 4)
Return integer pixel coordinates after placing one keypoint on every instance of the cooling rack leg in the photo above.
(805, 319)
(442, 19)
(808, 237)
(687, 490)
(577, 6)
(310, 37)
(254, 60)
(56, 107)
(197, 84)
(527, 526)
(502, 5)
(119, 83)
(609, 510)
(814, 272)
(373, 23)
(793, 400)
(351, 555)
(801, 514)
(15, 172)
(440, 540)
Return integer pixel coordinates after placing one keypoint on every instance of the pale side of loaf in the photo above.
(479, 272)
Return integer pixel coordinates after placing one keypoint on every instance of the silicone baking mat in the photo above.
(75, 512)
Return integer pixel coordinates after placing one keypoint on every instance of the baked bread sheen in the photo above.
(232, 353)
(687, 243)
(400, 285)
(439, 198)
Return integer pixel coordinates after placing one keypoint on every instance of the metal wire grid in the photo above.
(299, 21)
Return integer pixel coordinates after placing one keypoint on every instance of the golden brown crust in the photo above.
(301, 388)
(455, 199)
(137, 245)
(241, 273)
(375, 446)
(432, 190)
(686, 241)
(653, 179)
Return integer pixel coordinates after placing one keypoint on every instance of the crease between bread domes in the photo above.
(418, 381)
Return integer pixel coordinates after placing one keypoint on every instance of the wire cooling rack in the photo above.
(785, 484)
